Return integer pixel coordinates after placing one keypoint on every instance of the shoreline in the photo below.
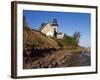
(60, 58)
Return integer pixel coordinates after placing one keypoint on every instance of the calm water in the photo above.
(85, 59)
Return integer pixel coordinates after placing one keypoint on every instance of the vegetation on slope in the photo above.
(67, 41)
(37, 39)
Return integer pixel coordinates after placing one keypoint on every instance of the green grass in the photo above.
(66, 41)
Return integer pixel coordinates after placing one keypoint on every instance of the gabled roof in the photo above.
(43, 26)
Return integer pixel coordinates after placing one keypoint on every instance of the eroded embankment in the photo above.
(59, 58)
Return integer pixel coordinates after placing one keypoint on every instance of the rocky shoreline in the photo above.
(59, 58)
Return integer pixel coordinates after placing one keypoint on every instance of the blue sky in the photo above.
(68, 23)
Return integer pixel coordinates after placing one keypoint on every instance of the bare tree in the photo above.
(24, 21)
(76, 36)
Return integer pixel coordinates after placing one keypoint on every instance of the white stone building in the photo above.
(51, 29)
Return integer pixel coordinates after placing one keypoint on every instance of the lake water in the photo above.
(82, 59)
(85, 59)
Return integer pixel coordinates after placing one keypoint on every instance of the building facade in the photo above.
(51, 29)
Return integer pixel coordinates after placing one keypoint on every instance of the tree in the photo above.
(76, 36)
(55, 33)
(24, 21)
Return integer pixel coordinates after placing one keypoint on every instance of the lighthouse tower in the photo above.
(54, 26)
